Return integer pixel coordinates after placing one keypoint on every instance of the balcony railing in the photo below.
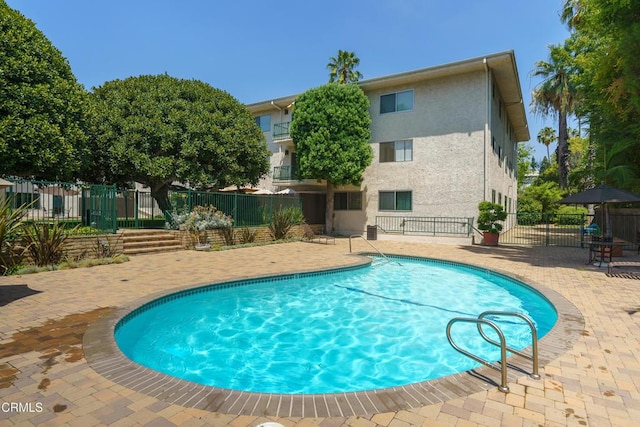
(281, 131)
(284, 173)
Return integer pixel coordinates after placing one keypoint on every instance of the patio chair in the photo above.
(592, 229)
(311, 236)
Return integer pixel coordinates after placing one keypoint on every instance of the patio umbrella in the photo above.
(602, 195)
(286, 191)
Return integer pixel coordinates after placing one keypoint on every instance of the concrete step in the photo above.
(150, 244)
(147, 237)
(153, 250)
(137, 242)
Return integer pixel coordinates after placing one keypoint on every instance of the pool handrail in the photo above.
(534, 338)
(479, 321)
(503, 387)
(370, 244)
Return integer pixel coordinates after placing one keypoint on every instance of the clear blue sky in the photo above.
(258, 50)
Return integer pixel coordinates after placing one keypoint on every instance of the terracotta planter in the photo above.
(490, 239)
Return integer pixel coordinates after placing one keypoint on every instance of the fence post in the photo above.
(125, 196)
(234, 213)
(582, 230)
(114, 209)
(548, 230)
(136, 208)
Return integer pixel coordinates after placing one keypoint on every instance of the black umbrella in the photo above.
(602, 195)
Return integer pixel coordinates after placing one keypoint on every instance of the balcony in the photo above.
(288, 176)
(284, 173)
(281, 132)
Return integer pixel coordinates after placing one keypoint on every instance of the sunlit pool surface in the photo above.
(349, 330)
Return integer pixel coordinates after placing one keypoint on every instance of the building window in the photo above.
(394, 200)
(264, 122)
(27, 198)
(347, 201)
(396, 151)
(399, 101)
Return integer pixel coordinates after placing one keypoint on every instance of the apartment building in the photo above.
(444, 138)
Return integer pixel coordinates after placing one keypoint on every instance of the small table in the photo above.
(599, 250)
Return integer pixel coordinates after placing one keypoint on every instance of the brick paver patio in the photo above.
(45, 378)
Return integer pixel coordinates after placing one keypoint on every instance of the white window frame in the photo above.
(395, 110)
(396, 145)
(258, 120)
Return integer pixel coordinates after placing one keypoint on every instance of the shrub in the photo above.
(570, 215)
(201, 218)
(283, 220)
(228, 234)
(489, 217)
(45, 243)
(102, 248)
(10, 232)
(248, 235)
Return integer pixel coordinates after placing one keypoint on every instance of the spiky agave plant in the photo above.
(10, 230)
(45, 243)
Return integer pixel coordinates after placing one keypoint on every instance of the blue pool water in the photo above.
(350, 330)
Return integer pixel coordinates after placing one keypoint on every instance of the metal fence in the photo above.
(549, 229)
(103, 209)
(421, 225)
(137, 209)
(245, 209)
(527, 229)
(89, 207)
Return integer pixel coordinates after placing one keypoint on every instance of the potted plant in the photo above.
(488, 221)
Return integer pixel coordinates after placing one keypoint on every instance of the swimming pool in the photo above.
(346, 330)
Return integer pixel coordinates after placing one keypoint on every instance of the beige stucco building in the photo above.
(444, 138)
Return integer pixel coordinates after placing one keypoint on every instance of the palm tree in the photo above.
(547, 136)
(557, 96)
(341, 67)
(571, 13)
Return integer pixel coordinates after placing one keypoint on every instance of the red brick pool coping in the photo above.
(104, 356)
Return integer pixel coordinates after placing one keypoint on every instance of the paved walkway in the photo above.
(45, 379)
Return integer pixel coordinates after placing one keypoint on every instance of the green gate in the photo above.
(90, 206)
(99, 207)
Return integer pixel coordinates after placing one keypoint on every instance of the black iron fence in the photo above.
(424, 225)
(549, 229)
(527, 229)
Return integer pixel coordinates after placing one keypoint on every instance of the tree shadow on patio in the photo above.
(546, 256)
(11, 293)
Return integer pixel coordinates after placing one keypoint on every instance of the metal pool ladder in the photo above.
(387, 259)
(479, 321)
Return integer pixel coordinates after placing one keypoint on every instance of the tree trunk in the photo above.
(160, 193)
(563, 152)
(328, 213)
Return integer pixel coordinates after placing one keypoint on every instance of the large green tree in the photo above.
(342, 67)
(160, 129)
(42, 106)
(606, 42)
(557, 96)
(331, 132)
